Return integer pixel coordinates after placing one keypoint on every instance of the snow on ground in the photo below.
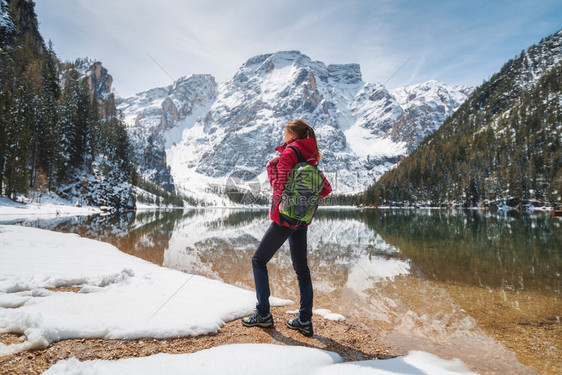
(121, 296)
(364, 143)
(325, 313)
(257, 359)
(44, 205)
(124, 297)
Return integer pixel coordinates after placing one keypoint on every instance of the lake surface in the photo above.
(485, 288)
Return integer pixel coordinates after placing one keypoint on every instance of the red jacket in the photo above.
(278, 173)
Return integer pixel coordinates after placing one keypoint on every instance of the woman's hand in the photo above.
(275, 160)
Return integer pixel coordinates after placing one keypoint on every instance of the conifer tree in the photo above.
(50, 125)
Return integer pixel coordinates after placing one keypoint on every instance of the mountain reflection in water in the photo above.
(457, 284)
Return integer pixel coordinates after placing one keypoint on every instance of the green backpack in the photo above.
(299, 199)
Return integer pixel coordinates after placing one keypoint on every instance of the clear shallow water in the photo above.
(485, 288)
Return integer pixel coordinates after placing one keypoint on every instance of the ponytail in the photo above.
(303, 130)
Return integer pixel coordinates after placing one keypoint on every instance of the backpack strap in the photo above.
(299, 155)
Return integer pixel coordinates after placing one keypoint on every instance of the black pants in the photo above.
(272, 240)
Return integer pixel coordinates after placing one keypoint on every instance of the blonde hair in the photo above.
(302, 130)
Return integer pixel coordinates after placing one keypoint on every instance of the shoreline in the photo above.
(513, 334)
(57, 206)
(347, 339)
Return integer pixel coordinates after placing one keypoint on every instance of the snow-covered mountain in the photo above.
(500, 148)
(158, 117)
(212, 132)
(426, 103)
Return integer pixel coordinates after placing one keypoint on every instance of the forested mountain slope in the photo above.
(502, 144)
(59, 128)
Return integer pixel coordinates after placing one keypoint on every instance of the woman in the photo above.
(297, 134)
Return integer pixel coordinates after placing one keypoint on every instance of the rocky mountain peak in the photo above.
(520, 74)
(345, 73)
(158, 117)
(99, 81)
(280, 59)
(362, 128)
(18, 20)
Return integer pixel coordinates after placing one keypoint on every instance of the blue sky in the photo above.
(456, 42)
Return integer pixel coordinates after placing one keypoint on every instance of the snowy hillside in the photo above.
(536, 61)
(430, 102)
(158, 117)
(232, 129)
(501, 148)
(6, 23)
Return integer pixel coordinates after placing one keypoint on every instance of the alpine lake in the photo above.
(482, 287)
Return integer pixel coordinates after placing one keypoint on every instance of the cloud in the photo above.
(455, 42)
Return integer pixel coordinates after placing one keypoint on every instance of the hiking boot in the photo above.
(257, 321)
(303, 327)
